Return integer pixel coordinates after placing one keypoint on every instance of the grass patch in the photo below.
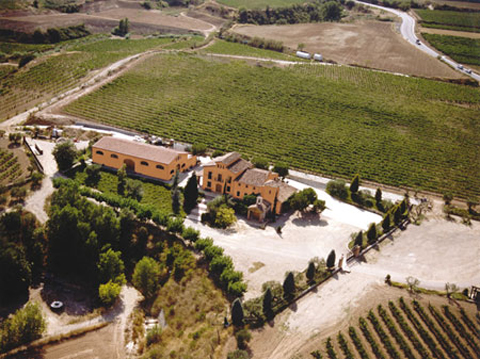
(326, 119)
(233, 48)
(157, 195)
(450, 20)
(461, 49)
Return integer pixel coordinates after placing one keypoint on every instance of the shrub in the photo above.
(281, 168)
(154, 335)
(175, 225)
(203, 243)
(108, 293)
(191, 234)
(225, 217)
(238, 354)
(65, 154)
(25, 59)
(260, 162)
(212, 251)
(146, 276)
(337, 189)
(199, 149)
(220, 263)
(217, 153)
(331, 260)
(243, 338)
(236, 289)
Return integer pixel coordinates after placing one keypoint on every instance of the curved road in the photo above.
(407, 29)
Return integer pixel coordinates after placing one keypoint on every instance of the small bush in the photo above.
(243, 338)
(108, 293)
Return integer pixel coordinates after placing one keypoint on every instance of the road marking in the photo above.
(77, 354)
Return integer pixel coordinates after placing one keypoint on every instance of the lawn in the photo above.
(450, 20)
(233, 48)
(461, 49)
(153, 194)
(260, 4)
(331, 120)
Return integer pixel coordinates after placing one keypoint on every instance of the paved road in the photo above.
(407, 29)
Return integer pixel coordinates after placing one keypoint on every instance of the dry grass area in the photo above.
(364, 43)
(194, 311)
(471, 35)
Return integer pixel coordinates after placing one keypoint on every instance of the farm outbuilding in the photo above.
(303, 55)
(318, 57)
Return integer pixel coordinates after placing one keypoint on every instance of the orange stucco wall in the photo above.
(236, 189)
(182, 162)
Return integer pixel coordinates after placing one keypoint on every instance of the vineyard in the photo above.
(407, 330)
(450, 20)
(10, 168)
(60, 72)
(461, 49)
(233, 48)
(259, 4)
(327, 119)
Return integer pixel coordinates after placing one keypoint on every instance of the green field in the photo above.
(12, 47)
(260, 4)
(153, 194)
(450, 20)
(407, 329)
(233, 48)
(327, 119)
(57, 73)
(461, 49)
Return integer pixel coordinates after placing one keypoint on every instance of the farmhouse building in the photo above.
(140, 158)
(235, 176)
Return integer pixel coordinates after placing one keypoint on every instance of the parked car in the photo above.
(468, 71)
(418, 42)
(460, 67)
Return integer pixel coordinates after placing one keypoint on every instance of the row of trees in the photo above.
(300, 13)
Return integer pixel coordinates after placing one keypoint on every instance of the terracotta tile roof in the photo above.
(227, 158)
(239, 166)
(254, 177)
(284, 190)
(137, 149)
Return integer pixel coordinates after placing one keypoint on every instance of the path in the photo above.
(407, 29)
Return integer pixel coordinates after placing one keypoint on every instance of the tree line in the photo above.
(299, 13)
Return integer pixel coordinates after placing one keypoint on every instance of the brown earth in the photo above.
(471, 35)
(371, 44)
(459, 4)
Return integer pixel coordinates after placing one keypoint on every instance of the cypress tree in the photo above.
(267, 303)
(355, 184)
(372, 233)
(289, 285)
(397, 215)
(190, 193)
(310, 271)
(386, 223)
(403, 206)
(359, 239)
(331, 259)
(237, 313)
(378, 195)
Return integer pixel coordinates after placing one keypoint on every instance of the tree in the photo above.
(220, 263)
(122, 180)
(386, 223)
(310, 271)
(267, 303)
(24, 326)
(243, 336)
(359, 239)
(15, 271)
(331, 260)
(225, 217)
(123, 28)
(19, 193)
(378, 196)
(134, 190)
(199, 149)
(337, 189)
(238, 354)
(300, 46)
(237, 313)
(36, 178)
(412, 283)
(355, 184)
(289, 285)
(108, 293)
(65, 154)
(190, 193)
(25, 59)
(146, 276)
(331, 11)
(15, 138)
(176, 201)
(397, 215)
(472, 203)
(93, 174)
(451, 288)
(111, 267)
(281, 168)
(372, 233)
(447, 197)
(260, 162)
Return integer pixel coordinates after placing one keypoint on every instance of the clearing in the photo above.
(371, 44)
(426, 252)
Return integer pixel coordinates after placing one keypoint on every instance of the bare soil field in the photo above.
(364, 43)
(471, 35)
(435, 252)
(460, 4)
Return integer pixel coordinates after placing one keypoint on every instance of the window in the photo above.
(143, 163)
(160, 167)
(219, 178)
(183, 165)
(254, 188)
(270, 191)
(228, 188)
(246, 186)
(113, 155)
(209, 175)
(171, 172)
(99, 153)
(209, 184)
(238, 193)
